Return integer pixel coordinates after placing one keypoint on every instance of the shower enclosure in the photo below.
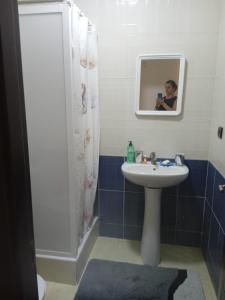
(59, 57)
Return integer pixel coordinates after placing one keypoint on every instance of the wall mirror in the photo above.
(159, 84)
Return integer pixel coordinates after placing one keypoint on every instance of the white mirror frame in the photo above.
(159, 56)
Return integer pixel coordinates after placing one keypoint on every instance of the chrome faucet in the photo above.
(139, 156)
(152, 158)
(179, 159)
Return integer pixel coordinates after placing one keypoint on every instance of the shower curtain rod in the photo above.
(83, 15)
(69, 2)
(38, 1)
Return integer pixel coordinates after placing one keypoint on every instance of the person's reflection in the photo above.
(168, 102)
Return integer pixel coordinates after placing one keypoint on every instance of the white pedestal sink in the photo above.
(153, 178)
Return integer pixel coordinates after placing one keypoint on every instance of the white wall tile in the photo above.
(189, 27)
(198, 95)
(217, 146)
(204, 15)
(220, 66)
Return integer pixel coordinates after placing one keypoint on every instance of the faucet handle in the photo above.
(152, 155)
(152, 158)
(139, 156)
(179, 159)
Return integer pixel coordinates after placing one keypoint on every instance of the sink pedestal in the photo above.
(150, 245)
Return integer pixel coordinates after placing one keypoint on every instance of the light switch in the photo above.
(220, 132)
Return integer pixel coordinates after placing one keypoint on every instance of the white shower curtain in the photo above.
(85, 118)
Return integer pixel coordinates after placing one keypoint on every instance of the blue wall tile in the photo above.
(218, 260)
(206, 227)
(194, 185)
(175, 215)
(110, 175)
(131, 187)
(216, 252)
(133, 232)
(168, 211)
(190, 213)
(212, 272)
(213, 236)
(111, 230)
(111, 207)
(173, 190)
(187, 238)
(168, 217)
(134, 209)
(197, 164)
(210, 183)
(168, 236)
(219, 200)
(121, 210)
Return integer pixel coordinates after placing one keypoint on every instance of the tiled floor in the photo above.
(129, 251)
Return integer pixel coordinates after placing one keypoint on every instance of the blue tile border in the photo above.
(132, 232)
(196, 164)
(168, 236)
(128, 210)
(190, 213)
(168, 211)
(111, 207)
(110, 175)
(187, 238)
(210, 182)
(174, 190)
(111, 230)
(213, 252)
(206, 226)
(213, 238)
(134, 209)
(177, 202)
(194, 185)
(218, 202)
(131, 187)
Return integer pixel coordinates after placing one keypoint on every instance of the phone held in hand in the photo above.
(160, 97)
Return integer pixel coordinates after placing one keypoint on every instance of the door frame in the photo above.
(17, 251)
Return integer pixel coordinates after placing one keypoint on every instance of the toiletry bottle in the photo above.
(130, 153)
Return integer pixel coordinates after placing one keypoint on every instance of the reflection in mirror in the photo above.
(159, 84)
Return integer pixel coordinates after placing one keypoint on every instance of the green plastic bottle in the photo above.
(130, 153)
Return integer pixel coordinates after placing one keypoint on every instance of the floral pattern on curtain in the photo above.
(85, 117)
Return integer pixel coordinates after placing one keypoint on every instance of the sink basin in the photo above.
(154, 176)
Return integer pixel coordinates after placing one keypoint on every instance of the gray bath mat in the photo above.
(106, 280)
